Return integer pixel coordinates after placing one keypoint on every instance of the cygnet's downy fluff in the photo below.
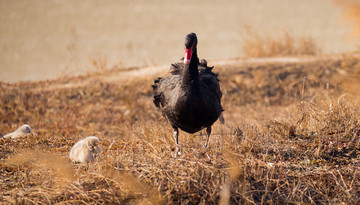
(20, 132)
(85, 150)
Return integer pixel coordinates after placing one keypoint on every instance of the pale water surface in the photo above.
(42, 39)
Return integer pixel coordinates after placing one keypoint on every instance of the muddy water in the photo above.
(44, 39)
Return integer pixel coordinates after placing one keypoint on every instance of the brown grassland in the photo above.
(291, 137)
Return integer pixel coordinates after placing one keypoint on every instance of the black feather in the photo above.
(190, 98)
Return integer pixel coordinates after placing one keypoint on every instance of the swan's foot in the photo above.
(178, 151)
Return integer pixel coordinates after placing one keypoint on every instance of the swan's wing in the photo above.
(210, 82)
(166, 90)
(177, 68)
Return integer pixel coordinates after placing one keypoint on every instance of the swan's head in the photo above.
(24, 129)
(190, 44)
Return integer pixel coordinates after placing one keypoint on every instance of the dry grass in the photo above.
(256, 45)
(287, 140)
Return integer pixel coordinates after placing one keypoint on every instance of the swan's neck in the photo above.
(191, 73)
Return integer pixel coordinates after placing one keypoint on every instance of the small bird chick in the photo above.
(20, 132)
(85, 150)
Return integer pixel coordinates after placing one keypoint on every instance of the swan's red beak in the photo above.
(188, 54)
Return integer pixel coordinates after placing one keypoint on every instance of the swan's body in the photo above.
(190, 98)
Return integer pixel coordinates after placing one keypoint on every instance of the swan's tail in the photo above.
(221, 118)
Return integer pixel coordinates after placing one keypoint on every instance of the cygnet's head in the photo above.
(91, 142)
(24, 129)
(20, 132)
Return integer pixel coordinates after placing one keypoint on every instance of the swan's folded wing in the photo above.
(165, 90)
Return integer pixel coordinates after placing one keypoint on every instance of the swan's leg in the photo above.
(208, 132)
(176, 136)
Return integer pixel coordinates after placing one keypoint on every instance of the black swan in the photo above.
(190, 98)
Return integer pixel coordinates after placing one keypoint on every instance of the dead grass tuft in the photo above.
(256, 45)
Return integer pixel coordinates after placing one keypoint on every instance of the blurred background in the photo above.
(47, 39)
